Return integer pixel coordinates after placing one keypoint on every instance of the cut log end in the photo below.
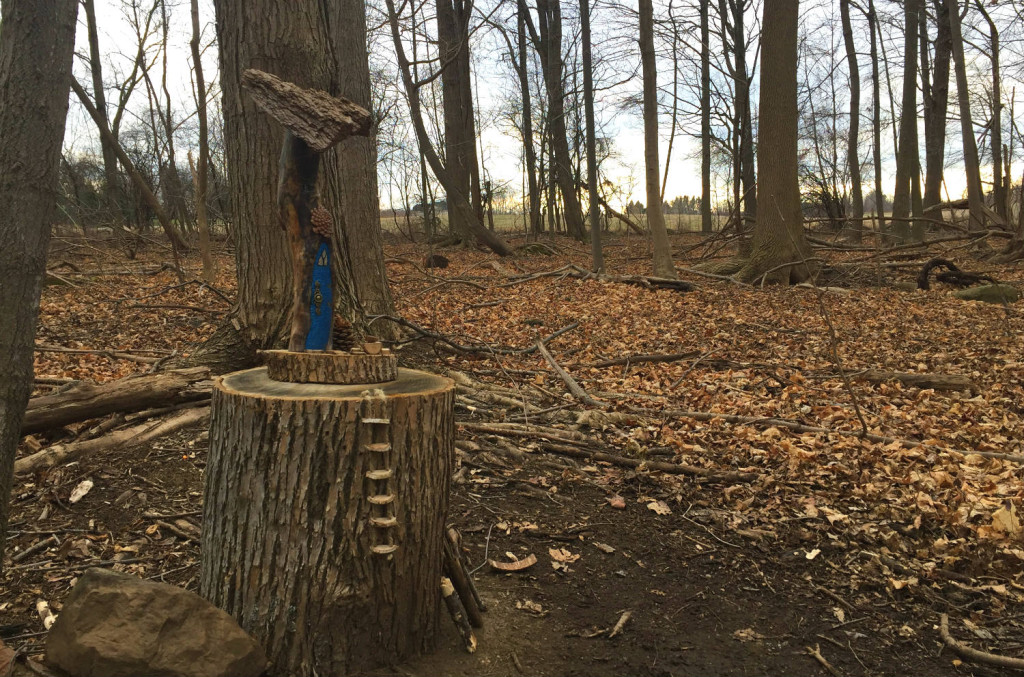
(316, 117)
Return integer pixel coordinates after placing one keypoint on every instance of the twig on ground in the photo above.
(577, 391)
(973, 654)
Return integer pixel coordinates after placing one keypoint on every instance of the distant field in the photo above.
(516, 223)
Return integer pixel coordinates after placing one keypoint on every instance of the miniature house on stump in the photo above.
(328, 477)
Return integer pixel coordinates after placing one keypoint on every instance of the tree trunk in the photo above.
(37, 42)
(536, 225)
(936, 99)
(906, 157)
(199, 173)
(780, 249)
(975, 195)
(111, 191)
(999, 186)
(549, 46)
(325, 540)
(302, 46)
(663, 266)
(876, 118)
(461, 205)
(853, 136)
(705, 119)
(597, 260)
(746, 127)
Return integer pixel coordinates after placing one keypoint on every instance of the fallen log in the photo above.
(63, 453)
(643, 464)
(927, 381)
(134, 393)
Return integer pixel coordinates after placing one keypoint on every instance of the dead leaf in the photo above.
(80, 491)
(617, 502)
(747, 635)
(660, 507)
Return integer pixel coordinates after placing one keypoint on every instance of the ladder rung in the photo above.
(383, 522)
(378, 446)
(383, 549)
(381, 499)
(376, 421)
(379, 474)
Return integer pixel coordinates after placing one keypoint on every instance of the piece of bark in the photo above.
(316, 117)
(932, 381)
(134, 393)
(62, 453)
(330, 367)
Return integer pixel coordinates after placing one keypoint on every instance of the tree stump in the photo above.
(324, 516)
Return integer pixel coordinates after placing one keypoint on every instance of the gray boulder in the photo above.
(990, 293)
(118, 625)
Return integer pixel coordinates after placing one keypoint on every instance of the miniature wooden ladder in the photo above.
(375, 443)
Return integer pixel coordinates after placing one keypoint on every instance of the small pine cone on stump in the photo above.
(323, 224)
(344, 335)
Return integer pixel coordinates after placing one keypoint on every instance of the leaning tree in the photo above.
(37, 41)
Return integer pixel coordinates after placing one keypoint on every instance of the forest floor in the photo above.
(737, 546)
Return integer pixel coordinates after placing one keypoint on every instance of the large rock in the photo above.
(117, 625)
(990, 293)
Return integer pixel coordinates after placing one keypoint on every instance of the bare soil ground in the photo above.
(841, 545)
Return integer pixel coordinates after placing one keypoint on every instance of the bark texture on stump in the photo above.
(324, 519)
(330, 367)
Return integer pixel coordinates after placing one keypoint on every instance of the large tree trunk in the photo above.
(853, 136)
(324, 517)
(780, 249)
(663, 266)
(597, 259)
(906, 157)
(312, 45)
(936, 99)
(972, 166)
(37, 42)
(705, 119)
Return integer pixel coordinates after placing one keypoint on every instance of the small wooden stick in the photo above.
(458, 613)
(815, 653)
(33, 549)
(457, 575)
(577, 391)
(623, 619)
(975, 655)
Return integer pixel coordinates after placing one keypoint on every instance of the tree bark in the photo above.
(936, 100)
(906, 157)
(876, 118)
(663, 266)
(124, 395)
(325, 539)
(999, 185)
(705, 119)
(780, 248)
(199, 173)
(314, 45)
(975, 195)
(549, 45)
(597, 260)
(853, 136)
(37, 42)
(536, 225)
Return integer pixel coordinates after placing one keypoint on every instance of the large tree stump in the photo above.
(324, 517)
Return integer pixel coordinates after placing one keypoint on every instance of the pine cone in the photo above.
(323, 224)
(344, 335)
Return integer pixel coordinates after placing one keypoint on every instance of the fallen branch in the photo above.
(62, 453)
(485, 348)
(577, 391)
(640, 464)
(89, 400)
(926, 381)
(639, 359)
(975, 655)
(815, 653)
